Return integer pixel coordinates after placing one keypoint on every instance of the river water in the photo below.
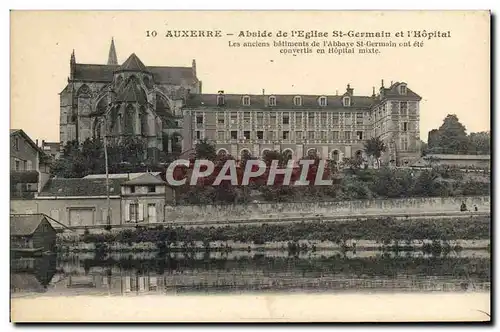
(242, 272)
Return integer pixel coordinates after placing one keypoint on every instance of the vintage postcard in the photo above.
(250, 166)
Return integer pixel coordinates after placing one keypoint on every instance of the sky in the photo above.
(452, 75)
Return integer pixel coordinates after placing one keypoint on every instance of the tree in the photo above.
(353, 163)
(269, 156)
(423, 148)
(374, 147)
(449, 138)
(205, 150)
(479, 143)
(245, 157)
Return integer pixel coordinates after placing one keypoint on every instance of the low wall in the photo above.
(270, 210)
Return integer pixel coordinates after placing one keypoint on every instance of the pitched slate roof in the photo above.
(94, 73)
(27, 138)
(105, 73)
(127, 176)
(173, 75)
(25, 224)
(282, 101)
(133, 63)
(393, 91)
(145, 179)
(80, 187)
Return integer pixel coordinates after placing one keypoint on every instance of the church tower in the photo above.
(112, 59)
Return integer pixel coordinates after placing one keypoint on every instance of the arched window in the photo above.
(323, 101)
(144, 122)
(222, 152)
(147, 82)
(119, 81)
(312, 152)
(97, 129)
(129, 120)
(245, 153)
(84, 91)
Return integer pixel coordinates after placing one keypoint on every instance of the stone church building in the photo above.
(130, 100)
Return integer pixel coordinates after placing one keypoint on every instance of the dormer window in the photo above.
(297, 101)
(346, 101)
(220, 100)
(322, 101)
(272, 101)
(246, 101)
(402, 89)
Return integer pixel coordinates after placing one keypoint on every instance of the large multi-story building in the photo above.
(127, 100)
(149, 103)
(332, 126)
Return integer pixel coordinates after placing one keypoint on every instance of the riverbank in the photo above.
(371, 234)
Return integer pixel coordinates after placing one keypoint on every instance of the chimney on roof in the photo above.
(263, 92)
(381, 90)
(349, 90)
(336, 92)
(391, 82)
(36, 142)
(373, 91)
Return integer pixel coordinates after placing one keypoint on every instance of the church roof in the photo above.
(133, 63)
(163, 75)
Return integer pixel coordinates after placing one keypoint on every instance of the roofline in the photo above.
(76, 197)
(277, 95)
(117, 66)
(33, 144)
(294, 108)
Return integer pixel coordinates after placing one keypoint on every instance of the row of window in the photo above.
(286, 118)
(150, 189)
(23, 165)
(286, 135)
(297, 101)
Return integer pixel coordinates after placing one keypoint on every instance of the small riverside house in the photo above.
(31, 233)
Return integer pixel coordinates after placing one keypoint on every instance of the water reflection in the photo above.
(128, 274)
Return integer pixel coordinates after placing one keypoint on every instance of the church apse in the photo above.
(124, 101)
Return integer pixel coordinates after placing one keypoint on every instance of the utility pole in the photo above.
(108, 217)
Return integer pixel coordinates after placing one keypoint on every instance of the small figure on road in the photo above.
(463, 207)
(475, 208)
